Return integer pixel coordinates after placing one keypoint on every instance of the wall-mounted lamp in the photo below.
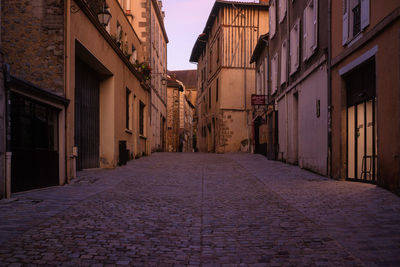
(163, 79)
(103, 15)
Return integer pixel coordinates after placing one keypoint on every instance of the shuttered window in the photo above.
(294, 48)
(282, 10)
(355, 18)
(272, 19)
(274, 74)
(284, 62)
(310, 29)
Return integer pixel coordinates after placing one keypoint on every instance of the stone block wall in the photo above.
(33, 41)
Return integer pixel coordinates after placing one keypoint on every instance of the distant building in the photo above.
(225, 76)
(365, 92)
(180, 118)
(189, 79)
(264, 114)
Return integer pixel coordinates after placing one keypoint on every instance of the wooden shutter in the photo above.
(345, 22)
(305, 50)
(272, 19)
(315, 25)
(364, 14)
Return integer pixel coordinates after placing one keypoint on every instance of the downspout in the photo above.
(150, 109)
(329, 159)
(70, 159)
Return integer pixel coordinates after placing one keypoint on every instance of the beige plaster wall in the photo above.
(112, 90)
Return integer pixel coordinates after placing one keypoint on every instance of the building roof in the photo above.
(187, 77)
(172, 82)
(203, 37)
(261, 43)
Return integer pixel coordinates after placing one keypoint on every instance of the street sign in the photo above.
(258, 100)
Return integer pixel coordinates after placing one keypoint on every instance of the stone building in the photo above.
(298, 46)
(180, 112)
(365, 92)
(189, 79)
(225, 76)
(147, 17)
(77, 99)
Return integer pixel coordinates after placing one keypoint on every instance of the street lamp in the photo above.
(163, 79)
(104, 15)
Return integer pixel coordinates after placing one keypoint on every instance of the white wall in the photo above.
(305, 142)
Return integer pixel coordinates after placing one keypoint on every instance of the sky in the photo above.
(184, 21)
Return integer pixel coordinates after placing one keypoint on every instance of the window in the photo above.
(141, 117)
(266, 75)
(355, 18)
(274, 74)
(258, 81)
(272, 18)
(134, 54)
(128, 109)
(283, 62)
(216, 91)
(310, 29)
(294, 48)
(119, 34)
(282, 10)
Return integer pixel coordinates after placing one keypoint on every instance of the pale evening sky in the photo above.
(184, 21)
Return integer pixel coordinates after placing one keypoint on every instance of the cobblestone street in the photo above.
(202, 210)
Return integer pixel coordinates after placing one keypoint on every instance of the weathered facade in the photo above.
(298, 48)
(33, 37)
(264, 122)
(225, 75)
(148, 18)
(189, 79)
(365, 92)
(77, 100)
(180, 117)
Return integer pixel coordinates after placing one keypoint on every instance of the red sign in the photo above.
(258, 100)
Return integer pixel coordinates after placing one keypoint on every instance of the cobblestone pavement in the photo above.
(202, 210)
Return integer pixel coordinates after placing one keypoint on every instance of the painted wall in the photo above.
(113, 87)
(387, 43)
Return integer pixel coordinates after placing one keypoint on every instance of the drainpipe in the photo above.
(329, 159)
(70, 160)
(8, 131)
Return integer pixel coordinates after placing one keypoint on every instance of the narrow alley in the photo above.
(195, 209)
